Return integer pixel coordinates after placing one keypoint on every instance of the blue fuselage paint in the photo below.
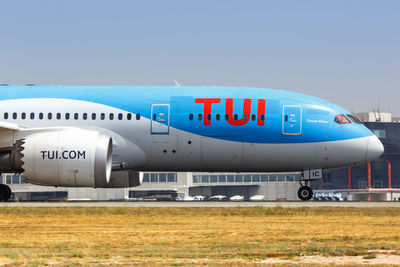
(315, 118)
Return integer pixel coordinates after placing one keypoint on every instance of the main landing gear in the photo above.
(305, 192)
(5, 193)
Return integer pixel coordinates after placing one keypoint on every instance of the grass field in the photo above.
(192, 236)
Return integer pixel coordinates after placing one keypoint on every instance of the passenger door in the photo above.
(291, 124)
(160, 119)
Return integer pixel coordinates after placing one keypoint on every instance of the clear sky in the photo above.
(344, 51)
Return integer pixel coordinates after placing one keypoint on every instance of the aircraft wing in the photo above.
(4, 126)
(7, 133)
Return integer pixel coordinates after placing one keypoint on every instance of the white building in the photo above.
(168, 186)
(375, 116)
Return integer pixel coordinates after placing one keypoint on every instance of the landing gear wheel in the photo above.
(305, 193)
(5, 193)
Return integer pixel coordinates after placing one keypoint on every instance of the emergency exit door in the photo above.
(291, 120)
(160, 119)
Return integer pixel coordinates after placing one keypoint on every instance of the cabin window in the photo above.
(190, 117)
(200, 117)
(235, 117)
(76, 116)
(23, 115)
(32, 116)
(93, 116)
(58, 116)
(138, 116)
(129, 116)
(49, 115)
(342, 119)
(208, 117)
(244, 117)
(120, 116)
(14, 115)
(5, 115)
(253, 117)
(102, 116)
(111, 116)
(84, 116)
(218, 117)
(67, 116)
(262, 117)
(40, 116)
(227, 117)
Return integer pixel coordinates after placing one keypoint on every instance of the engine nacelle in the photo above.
(71, 158)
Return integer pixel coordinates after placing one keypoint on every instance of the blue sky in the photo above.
(344, 51)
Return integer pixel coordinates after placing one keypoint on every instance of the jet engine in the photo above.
(71, 158)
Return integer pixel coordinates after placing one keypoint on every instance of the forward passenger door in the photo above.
(291, 121)
(160, 119)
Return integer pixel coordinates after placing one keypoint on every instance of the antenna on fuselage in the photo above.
(177, 84)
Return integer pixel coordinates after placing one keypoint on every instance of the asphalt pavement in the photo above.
(221, 204)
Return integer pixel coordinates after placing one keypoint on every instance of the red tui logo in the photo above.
(207, 102)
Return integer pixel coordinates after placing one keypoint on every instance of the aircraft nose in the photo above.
(375, 148)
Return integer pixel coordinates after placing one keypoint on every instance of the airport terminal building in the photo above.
(379, 177)
(172, 186)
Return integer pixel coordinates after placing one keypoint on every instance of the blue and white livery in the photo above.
(105, 136)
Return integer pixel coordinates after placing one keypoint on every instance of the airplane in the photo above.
(106, 136)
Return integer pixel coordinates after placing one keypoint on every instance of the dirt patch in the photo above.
(379, 259)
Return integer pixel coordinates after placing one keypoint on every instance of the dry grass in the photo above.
(187, 236)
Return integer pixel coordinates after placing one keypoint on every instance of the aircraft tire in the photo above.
(5, 193)
(305, 193)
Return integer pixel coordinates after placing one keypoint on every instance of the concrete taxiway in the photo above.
(204, 204)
